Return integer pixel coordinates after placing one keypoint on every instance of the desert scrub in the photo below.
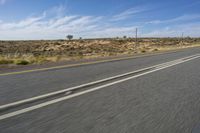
(22, 62)
(40, 60)
(155, 49)
(6, 61)
(143, 51)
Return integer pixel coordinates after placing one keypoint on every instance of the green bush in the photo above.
(22, 62)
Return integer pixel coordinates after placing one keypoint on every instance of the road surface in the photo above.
(162, 99)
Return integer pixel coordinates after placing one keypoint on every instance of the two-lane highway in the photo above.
(21, 86)
(164, 100)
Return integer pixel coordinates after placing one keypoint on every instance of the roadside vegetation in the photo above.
(38, 52)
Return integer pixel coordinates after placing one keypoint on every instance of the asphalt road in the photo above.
(165, 101)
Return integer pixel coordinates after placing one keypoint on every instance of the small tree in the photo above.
(69, 37)
(124, 37)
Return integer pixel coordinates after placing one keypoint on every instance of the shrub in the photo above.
(143, 51)
(21, 62)
(40, 60)
(6, 61)
(155, 49)
(69, 37)
(57, 43)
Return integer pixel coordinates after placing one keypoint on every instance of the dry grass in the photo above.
(37, 52)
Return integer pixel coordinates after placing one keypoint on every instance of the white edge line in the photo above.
(25, 110)
(83, 85)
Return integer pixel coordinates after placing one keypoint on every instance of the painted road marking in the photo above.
(28, 109)
(25, 101)
(83, 64)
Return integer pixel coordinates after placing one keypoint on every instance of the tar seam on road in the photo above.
(159, 67)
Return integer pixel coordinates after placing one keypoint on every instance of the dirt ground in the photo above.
(33, 52)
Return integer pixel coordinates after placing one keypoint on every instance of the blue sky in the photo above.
(54, 19)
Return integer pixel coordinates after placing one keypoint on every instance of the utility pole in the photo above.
(136, 36)
(182, 38)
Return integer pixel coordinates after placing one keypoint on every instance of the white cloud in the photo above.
(84, 26)
(154, 22)
(61, 21)
(185, 18)
(109, 31)
(20, 24)
(189, 29)
(2, 2)
(182, 18)
(56, 28)
(43, 27)
(165, 32)
(58, 11)
(128, 13)
(51, 25)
